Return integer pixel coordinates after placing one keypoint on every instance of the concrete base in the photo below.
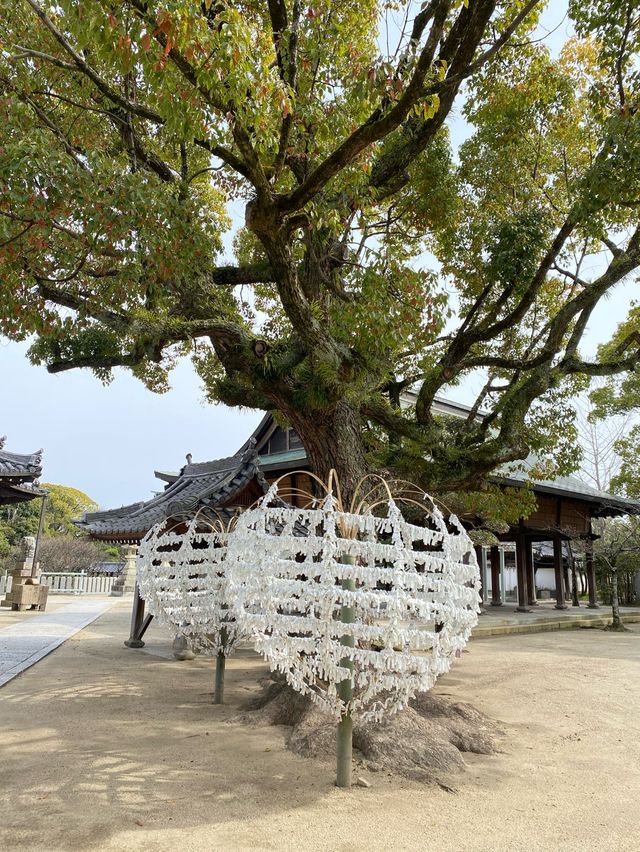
(134, 643)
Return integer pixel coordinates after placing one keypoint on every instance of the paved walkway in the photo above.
(502, 620)
(23, 644)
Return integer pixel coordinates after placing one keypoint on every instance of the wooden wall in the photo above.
(560, 513)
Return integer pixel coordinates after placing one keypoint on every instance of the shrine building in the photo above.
(565, 510)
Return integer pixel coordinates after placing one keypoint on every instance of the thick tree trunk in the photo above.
(616, 624)
(333, 440)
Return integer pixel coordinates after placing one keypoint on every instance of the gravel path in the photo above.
(106, 748)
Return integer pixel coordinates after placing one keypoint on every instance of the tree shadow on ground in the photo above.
(98, 738)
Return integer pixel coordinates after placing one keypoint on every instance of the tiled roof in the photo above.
(19, 476)
(204, 484)
(15, 465)
(166, 475)
(567, 486)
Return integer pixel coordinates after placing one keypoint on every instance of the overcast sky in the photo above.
(107, 441)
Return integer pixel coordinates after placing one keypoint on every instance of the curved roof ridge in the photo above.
(207, 483)
(30, 463)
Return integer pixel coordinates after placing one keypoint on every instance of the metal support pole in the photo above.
(344, 743)
(503, 587)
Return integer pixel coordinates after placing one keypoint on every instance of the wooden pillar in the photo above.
(137, 621)
(496, 579)
(557, 564)
(484, 567)
(521, 568)
(531, 574)
(591, 575)
(479, 556)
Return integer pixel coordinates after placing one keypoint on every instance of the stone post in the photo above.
(129, 571)
(26, 592)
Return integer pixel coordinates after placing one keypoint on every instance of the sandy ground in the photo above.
(107, 748)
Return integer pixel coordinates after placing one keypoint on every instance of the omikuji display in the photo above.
(181, 576)
(359, 611)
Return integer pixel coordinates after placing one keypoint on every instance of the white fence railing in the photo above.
(69, 583)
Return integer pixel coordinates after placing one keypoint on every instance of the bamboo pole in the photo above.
(218, 695)
(344, 742)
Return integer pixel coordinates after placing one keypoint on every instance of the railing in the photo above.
(69, 583)
(77, 583)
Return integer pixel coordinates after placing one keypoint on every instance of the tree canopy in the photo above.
(64, 503)
(375, 255)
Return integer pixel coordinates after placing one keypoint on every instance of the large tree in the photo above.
(373, 257)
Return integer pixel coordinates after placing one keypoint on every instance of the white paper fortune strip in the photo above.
(182, 580)
(415, 600)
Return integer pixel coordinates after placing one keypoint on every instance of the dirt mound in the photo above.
(424, 742)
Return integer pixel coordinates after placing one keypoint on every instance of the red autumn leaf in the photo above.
(145, 41)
